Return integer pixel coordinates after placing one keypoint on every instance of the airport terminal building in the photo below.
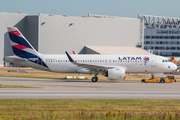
(55, 34)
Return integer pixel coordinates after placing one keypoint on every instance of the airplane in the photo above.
(111, 66)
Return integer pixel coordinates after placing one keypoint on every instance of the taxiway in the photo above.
(85, 89)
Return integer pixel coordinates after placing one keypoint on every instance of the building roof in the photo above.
(113, 50)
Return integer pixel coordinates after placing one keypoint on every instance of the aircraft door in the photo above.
(153, 61)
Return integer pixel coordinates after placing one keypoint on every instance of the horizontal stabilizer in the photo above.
(15, 58)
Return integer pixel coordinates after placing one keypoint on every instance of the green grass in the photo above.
(15, 86)
(89, 109)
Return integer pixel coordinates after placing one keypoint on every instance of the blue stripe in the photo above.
(18, 52)
(19, 40)
(29, 56)
(36, 59)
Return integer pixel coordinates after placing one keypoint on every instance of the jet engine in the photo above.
(115, 74)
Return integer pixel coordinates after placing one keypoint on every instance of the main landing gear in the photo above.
(95, 78)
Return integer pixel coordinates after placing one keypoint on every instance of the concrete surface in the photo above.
(85, 89)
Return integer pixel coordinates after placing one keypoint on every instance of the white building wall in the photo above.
(8, 20)
(58, 34)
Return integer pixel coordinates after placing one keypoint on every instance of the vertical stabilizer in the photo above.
(19, 43)
(22, 48)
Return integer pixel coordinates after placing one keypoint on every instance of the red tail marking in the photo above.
(16, 32)
(73, 52)
(20, 46)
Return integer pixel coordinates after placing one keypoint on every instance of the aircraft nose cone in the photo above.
(174, 66)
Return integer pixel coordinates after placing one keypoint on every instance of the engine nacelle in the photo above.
(115, 74)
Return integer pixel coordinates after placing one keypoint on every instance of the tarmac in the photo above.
(85, 89)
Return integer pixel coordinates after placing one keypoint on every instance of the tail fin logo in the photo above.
(19, 43)
(22, 48)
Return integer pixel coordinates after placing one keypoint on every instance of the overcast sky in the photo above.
(122, 8)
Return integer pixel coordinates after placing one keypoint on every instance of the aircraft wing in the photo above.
(89, 66)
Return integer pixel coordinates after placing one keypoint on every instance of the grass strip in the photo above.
(89, 109)
(15, 86)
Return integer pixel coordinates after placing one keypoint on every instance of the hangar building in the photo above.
(55, 34)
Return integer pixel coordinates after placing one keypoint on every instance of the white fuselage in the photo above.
(131, 63)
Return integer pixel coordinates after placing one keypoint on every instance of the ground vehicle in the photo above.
(169, 78)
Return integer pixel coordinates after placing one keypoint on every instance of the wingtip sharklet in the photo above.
(69, 57)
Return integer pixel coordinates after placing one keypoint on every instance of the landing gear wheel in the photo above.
(162, 81)
(94, 79)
